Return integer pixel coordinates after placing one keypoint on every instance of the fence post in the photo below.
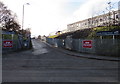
(79, 45)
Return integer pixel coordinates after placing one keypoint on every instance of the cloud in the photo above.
(45, 16)
(91, 8)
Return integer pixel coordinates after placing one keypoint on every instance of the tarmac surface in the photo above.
(44, 63)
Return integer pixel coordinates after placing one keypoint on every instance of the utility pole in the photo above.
(109, 3)
(104, 18)
(119, 13)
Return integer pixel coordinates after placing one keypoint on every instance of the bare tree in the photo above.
(8, 19)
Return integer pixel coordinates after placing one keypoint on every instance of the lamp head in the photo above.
(27, 3)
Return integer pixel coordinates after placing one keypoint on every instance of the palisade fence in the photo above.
(108, 47)
(16, 42)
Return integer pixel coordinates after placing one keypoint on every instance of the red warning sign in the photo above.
(7, 43)
(87, 44)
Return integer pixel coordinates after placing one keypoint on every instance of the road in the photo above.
(47, 64)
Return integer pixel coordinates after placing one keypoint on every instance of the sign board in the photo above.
(87, 44)
(107, 33)
(7, 44)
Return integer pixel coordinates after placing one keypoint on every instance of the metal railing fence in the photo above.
(110, 47)
(18, 43)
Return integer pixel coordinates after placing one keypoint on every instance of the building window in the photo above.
(117, 16)
(101, 20)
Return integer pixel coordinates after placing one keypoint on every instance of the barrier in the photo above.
(109, 47)
(14, 42)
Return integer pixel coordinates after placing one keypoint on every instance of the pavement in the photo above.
(86, 55)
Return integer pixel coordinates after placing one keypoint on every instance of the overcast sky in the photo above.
(46, 16)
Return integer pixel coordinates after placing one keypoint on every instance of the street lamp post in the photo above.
(23, 22)
(23, 16)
